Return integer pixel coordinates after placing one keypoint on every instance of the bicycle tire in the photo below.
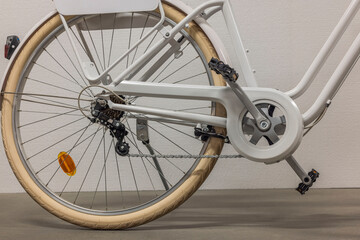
(123, 221)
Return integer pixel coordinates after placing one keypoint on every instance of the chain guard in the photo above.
(274, 152)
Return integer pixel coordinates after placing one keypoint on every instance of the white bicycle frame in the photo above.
(191, 92)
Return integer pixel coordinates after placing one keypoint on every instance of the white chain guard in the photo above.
(282, 149)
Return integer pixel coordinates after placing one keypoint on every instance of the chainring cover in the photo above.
(275, 151)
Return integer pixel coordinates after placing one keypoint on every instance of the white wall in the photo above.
(283, 37)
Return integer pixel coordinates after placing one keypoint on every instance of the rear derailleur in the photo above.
(109, 118)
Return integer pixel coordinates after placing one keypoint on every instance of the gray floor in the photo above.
(239, 214)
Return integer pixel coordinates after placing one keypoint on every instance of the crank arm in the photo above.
(299, 170)
(261, 121)
(230, 76)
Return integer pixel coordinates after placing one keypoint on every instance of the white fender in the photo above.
(204, 25)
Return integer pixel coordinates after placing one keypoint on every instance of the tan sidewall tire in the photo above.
(180, 195)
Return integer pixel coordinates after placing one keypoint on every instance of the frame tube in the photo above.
(335, 82)
(246, 69)
(326, 50)
(191, 117)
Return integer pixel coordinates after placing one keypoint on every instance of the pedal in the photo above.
(303, 188)
(225, 70)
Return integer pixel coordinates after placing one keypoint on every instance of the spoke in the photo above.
(48, 69)
(106, 155)
(44, 119)
(51, 131)
(92, 41)
(52, 85)
(112, 39)
(102, 40)
(69, 153)
(172, 60)
(159, 154)
(92, 161)
(177, 145)
(183, 66)
(82, 156)
(56, 159)
(119, 176)
(54, 105)
(73, 64)
(186, 134)
(81, 44)
(169, 161)
(85, 46)
(159, 172)
(132, 170)
(189, 109)
(142, 33)
(105, 160)
(61, 66)
(49, 113)
(137, 147)
(169, 63)
(52, 145)
(147, 48)
(131, 27)
(45, 95)
(188, 78)
(52, 101)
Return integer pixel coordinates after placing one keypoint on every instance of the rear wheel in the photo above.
(68, 164)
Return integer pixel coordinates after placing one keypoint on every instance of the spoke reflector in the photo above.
(67, 163)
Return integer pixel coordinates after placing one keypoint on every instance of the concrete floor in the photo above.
(236, 214)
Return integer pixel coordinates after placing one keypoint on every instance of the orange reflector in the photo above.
(67, 164)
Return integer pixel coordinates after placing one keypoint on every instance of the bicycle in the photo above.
(97, 156)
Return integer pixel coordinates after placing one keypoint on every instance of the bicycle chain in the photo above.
(184, 156)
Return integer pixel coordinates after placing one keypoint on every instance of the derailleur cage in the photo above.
(117, 129)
